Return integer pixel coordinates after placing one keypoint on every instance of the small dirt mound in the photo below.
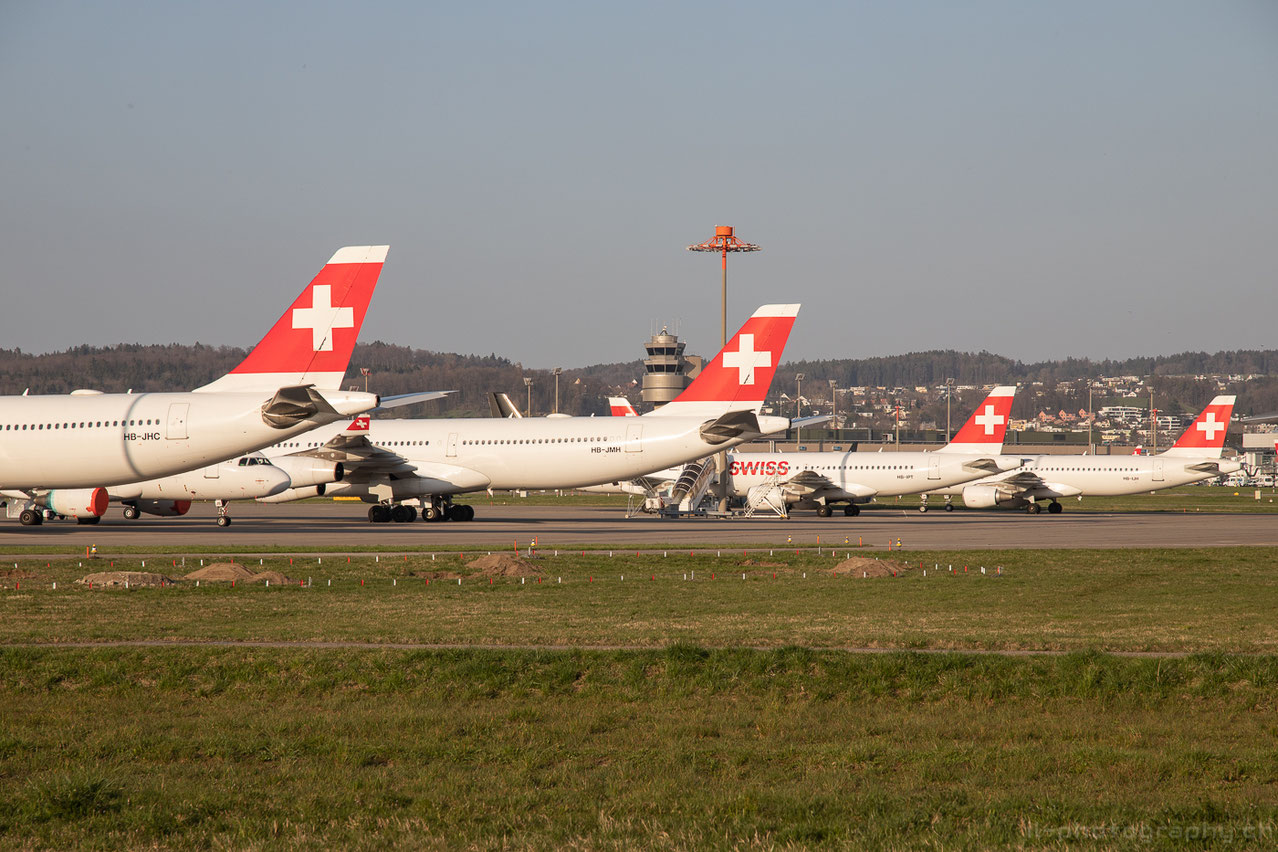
(861, 566)
(505, 565)
(221, 571)
(17, 574)
(275, 578)
(132, 579)
(756, 563)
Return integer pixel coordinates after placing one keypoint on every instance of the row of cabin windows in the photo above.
(289, 444)
(534, 441)
(90, 424)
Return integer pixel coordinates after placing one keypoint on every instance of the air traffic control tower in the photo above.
(667, 371)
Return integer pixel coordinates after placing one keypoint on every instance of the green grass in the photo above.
(1180, 600)
(680, 748)
(732, 722)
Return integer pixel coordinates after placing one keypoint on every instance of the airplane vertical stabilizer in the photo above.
(739, 377)
(312, 343)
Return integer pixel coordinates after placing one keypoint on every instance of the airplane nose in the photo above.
(275, 481)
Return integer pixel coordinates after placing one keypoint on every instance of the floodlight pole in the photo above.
(558, 371)
(834, 409)
(724, 241)
(528, 382)
(798, 407)
(949, 392)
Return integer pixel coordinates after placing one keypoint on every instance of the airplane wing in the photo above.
(987, 465)
(359, 457)
(809, 482)
(400, 400)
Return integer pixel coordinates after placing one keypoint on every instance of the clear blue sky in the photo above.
(1035, 179)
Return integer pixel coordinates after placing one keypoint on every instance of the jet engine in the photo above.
(306, 471)
(988, 497)
(290, 494)
(77, 502)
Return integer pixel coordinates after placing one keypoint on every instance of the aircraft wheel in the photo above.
(379, 514)
(88, 521)
(851, 510)
(457, 512)
(1033, 508)
(470, 513)
(412, 513)
(430, 513)
(824, 511)
(923, 508)
(399, 514)
(224, 521)
(949, 507)
(132, 513)
(1055, 508)
(30, 518)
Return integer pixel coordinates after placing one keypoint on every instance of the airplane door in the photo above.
(177, 421)
(452, 445)
(1158, 470)
(933, 468)
(634, 437)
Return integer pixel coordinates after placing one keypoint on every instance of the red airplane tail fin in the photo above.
(311, 343)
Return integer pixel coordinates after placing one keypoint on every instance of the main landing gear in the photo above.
(1053, 508)
(949, 504)
(825, 510)
(435, 510)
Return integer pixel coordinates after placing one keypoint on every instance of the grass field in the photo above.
(1210, 600)
(680, 748)
(729, 720)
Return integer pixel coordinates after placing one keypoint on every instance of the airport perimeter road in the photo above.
(328, 526)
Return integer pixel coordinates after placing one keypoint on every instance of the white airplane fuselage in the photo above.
(454, 456)
(92, 440)
(855, 475)
(237, 479)
(1106, 476)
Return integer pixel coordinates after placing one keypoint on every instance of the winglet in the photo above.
(1205, 437)
(985, 429)
(739, 377)
(312, 342)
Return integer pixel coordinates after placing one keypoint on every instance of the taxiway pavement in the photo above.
(300, 527)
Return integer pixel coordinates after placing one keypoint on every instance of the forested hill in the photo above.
(401, 369)
(968, 368)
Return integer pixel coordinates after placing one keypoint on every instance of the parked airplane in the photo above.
(245, 478)
(395, 464)
(1194, 457)
(784, 481)
(61, 452)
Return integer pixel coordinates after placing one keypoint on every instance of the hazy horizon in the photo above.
(1038, 181)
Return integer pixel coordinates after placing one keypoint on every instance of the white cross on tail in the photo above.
(1210, 426)
(745, 359)
(321, 317)
(989, 420)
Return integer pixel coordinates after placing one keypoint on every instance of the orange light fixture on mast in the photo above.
(724, 241)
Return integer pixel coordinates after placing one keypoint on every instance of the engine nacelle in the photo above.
(290, 494)
(163, 508)
(987, 497)
(76, 502)
(308, 471)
